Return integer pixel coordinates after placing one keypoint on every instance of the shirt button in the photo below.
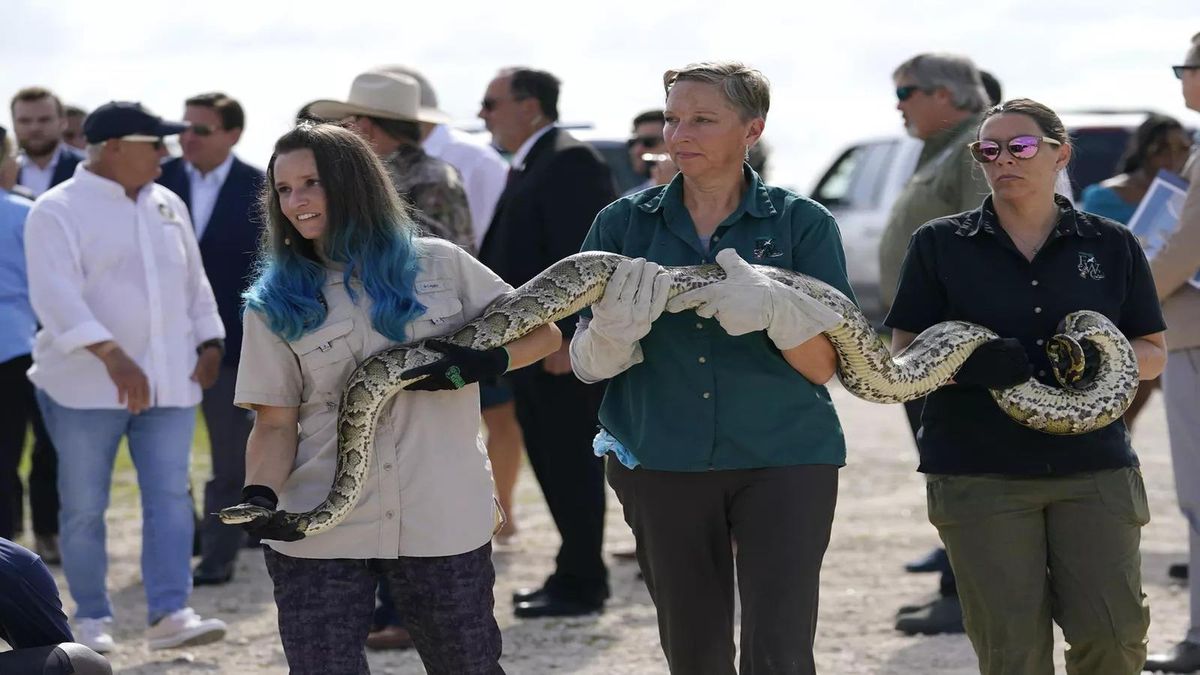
(716, 238)
(1033, 283)
(706, 395)
(699, 326)
(1041, 373)
(1041, 342)
(387, 467)
(390, 515)
(1037, 310)
(702, 359)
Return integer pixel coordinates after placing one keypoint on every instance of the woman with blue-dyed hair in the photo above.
(341, 276)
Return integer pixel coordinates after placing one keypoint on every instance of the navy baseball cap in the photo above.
(120, 119)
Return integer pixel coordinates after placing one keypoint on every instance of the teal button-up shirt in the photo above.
(702, 399)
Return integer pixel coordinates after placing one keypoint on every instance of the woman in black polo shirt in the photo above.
(1038, 527)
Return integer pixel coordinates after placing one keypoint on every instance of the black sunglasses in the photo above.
(644, 141)
(201, 130)
(490, 104)
(904, 93)
(1179, 70)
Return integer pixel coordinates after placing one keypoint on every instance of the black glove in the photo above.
(460, 367)
(998, 364)
(264, 527)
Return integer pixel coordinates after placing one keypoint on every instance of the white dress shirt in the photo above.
(103, 267)
(518, 158)
(484, 173)
(204, 190)
(35, 178)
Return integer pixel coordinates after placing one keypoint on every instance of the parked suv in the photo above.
(864, 180)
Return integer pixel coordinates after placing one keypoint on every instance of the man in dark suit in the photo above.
(555, 188)
(39, 121)
(221, 193)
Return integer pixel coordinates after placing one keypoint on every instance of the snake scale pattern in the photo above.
(865, 366)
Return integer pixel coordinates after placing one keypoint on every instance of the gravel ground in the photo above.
(880, 524)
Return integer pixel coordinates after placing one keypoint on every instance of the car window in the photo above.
(834, 187)
(616, 156)
(857, 176)
(1096, 154)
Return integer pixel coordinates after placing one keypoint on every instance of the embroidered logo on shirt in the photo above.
(1089, 267)
(431, 286)
(765, 248)
(166, 212)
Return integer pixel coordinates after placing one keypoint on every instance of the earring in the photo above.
(747, 153)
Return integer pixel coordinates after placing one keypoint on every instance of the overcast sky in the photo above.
(829, 62)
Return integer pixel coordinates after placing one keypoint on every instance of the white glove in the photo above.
(607, 345)
(747, 301)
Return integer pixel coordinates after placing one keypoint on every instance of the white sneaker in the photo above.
(94, 634)
(184, 628)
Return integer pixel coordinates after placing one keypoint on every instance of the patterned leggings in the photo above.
(325, 609)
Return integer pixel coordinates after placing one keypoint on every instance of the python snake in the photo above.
(865, 366)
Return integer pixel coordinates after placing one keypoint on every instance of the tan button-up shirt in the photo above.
(1176, 263)
(428, 489)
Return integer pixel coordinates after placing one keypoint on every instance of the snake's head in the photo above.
(1075, 362)
(241, 514)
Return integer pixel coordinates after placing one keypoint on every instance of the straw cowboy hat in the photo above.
(429, 100)
(392, 96)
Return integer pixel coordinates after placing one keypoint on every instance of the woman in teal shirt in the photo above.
(719, 424)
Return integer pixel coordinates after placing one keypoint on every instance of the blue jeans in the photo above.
(160, 444)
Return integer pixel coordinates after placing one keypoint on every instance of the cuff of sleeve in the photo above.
(87, 333)
(207, 328)
(594, 358)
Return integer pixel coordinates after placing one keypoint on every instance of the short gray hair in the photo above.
(957, 74)
(746, 89)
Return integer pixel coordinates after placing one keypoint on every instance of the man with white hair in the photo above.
(130, 335)
(941, 98)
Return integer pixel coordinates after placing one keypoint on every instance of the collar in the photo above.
(217, 175)
(755, 202)
(518, 158)
(942, 139)
(58, 153)
(437, 140)
(1070, 221)
(109, 188)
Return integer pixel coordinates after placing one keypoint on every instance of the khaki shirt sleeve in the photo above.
(268, 372)
(965, 185)
(479, 285)
(1177, 261)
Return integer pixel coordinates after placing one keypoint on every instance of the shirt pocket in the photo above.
(174, 249)
(325, 346)
(443, 312)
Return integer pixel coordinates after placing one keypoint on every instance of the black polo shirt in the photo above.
(965, 267)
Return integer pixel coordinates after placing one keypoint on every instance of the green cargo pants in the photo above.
(1027, 551)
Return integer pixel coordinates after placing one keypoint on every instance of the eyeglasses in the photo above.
(1179, 70)
(644, 141)
(201, 130)
(1021, 147)
(490, 104)
(904, 93)
(154, 141)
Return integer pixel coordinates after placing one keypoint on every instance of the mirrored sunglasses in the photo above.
(1020, 147)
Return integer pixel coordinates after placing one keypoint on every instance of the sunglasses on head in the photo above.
(154, 141)
(644, 141)
(1020, 147)
(904, 93)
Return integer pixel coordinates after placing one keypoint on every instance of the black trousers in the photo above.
(228, 430)
(558, 418)
(687, 526)
(446, 602)
(18, 412)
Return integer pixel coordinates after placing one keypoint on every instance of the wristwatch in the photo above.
(215, 342)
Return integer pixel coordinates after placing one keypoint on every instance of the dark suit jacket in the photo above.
(65, 168)
(229, 242)
(546, 210)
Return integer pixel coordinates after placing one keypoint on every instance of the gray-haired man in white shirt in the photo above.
(130, 334)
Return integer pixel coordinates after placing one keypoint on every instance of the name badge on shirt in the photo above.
(431, 286)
